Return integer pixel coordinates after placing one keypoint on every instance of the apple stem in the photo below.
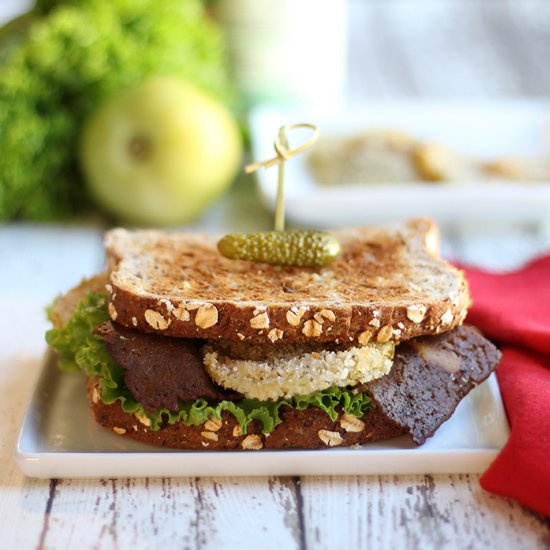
(139, 148)
(284, 153)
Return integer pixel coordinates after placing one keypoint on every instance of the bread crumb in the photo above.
(447, 317)
(351, 423)
(292, 318)
(95, 395)
(252, 442)
(113, 314)
(206, 316)
(416, 313)
(332, 439)
(312, 329)
(328, 314)
(146, 421)
(213, 424)
(275, 334)
(364, 337)
(237, 432)
(213, 436)
(156, 320)
(260, 321)
(181, 313)
(384, 334)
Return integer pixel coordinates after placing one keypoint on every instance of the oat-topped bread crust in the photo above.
(65, 305)
(388, 284)
(311, 428)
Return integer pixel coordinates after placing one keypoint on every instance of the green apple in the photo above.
(160, 152)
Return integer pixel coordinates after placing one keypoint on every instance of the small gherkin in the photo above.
(293, 248)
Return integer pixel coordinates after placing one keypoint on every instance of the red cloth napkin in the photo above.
(513, 309)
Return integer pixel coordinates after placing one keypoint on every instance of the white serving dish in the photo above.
(478, 128)
(60, 439)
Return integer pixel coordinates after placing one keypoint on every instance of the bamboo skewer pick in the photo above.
(284, 153)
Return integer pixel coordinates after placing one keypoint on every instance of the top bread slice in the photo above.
(388, 284)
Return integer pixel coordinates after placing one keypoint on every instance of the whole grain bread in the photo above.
(65, 305)
(311, 428)
(389, 284)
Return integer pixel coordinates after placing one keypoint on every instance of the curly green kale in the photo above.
(57, 68)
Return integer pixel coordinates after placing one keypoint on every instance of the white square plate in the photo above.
(481, 129)
(60, 439)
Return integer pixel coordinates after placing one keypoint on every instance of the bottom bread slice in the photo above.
(310, 428)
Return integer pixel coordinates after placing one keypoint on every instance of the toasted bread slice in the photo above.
(389, 284)
(311, 428)
(65, 305)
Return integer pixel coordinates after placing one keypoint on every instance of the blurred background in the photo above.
(144, 113)
(449, 48)
(412, 47)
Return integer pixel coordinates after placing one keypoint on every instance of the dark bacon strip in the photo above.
(429, 378)
(160, 372)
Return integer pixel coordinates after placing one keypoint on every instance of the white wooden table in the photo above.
(37, 262)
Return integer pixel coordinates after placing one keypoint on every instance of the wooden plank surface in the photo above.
(183, 513)
(273, 513)
(415, 512)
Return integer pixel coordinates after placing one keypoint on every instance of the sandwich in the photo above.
(187, 349)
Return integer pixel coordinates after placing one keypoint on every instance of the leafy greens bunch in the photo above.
(59, 62)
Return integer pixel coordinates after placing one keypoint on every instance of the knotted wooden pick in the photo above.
(284, 153)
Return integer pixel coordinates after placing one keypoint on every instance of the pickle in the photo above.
(295, 248)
